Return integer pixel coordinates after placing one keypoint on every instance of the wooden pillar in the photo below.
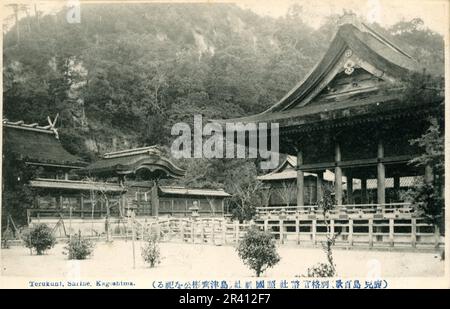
(81, 205)
(300, 180)
(338, 175)
(319, 186)
(350, 199)
(363, 190)
(381, 175)
(155, 200)
(397, 187)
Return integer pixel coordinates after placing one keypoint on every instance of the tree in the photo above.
(258, 251)
(99, 194)
(40, 237)
(17, 195)
(326, 204)
(427, 194)
(287, 192)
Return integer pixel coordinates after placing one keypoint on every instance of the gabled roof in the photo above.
(37, 144)
(374, 52)
(287, 170)
(130, 161)
(355, 46)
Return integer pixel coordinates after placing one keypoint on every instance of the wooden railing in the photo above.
(349, 209)
(362, 233)
(64, 213)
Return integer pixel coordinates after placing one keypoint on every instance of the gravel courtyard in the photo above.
(208, 261)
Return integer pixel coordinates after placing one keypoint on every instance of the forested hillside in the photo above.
(126, 73)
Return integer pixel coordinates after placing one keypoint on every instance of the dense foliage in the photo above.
(427, 195)
(151, 252)
(39, 237)
(125, 74)
(258, 250)
(17, 195)
(78, 247)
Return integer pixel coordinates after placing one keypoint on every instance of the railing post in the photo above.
(297, 230)
(182, 231)
(281, 231)
(236, 232)
(213, 232)
(391, 232)
(437, 236)
(192, 231)
(350, 232)
(332, 226)
(413, 232)
(370, 233)
(266, 224)
(313, 231)
(202, 234)
(224, 232)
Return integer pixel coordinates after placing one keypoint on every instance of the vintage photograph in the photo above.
(239, 144)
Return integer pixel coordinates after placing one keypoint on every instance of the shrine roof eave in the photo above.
(112, 167)
(58, 184)
(357, 110)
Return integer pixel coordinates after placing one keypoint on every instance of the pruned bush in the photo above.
(40, 238)
(321, 270)
(150, 252)
(7, 236)
(258, 251)
(78, 248)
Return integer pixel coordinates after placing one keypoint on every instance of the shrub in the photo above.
(150, 252)
(7, 236)
(321, 270)
(258, 251)
(40, 238)
(78, 248)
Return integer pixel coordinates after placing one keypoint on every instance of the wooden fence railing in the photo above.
(348, 209)
(350, 233)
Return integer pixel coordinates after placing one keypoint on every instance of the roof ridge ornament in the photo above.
(52, 125)
(349, 17)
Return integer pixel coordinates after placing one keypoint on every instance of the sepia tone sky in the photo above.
(435, 13)
(385, 12)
